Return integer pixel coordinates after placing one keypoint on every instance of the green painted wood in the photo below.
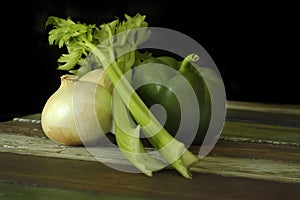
(261, 133)
(245, 121)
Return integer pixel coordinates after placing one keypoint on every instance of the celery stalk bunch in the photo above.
(113, 47)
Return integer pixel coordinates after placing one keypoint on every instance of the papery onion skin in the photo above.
(100, 77)
(58, 118)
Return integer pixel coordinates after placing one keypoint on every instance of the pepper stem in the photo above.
(186, 62)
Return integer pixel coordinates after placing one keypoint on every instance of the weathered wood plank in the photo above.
(100, 180)
(250, 168)
(264, 107)
(14, 138)
(254, 151)
(260, 117)
(232, 130)
(245, 121)
(261, 133)
(238, 166)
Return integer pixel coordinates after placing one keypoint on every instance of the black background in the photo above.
(253, 45)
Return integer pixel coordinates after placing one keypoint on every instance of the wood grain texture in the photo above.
(98, 179)
(250, 163)
(256, 157)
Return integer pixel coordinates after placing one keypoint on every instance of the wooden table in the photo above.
(256, 157)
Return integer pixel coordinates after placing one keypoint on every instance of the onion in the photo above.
(78, 113)
(100, 77)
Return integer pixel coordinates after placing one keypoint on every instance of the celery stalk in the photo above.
(128, 140)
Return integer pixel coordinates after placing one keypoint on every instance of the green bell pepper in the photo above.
(158, 93)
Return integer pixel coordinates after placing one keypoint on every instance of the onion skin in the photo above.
(60, 122)
(100, 77)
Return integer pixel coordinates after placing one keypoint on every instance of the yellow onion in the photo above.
(100, 77)
(78, 113)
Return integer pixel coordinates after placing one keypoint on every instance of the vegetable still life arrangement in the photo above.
(103, 92)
